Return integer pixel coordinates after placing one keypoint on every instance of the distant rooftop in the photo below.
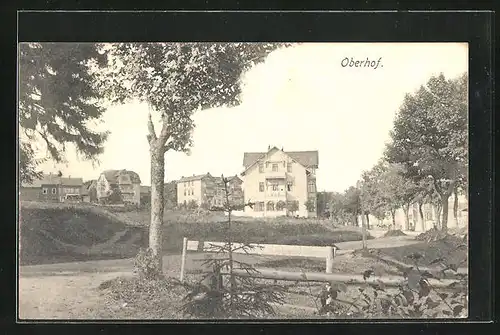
(305, 158)
(53, 179)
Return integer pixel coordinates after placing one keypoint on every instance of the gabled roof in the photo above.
(305, 158)
(53, 179)
(195, 177)
(112, 176)
(71, 181)
(89, 183)
(230, 179)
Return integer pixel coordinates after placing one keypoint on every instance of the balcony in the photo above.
(276, 175)
(276, 195)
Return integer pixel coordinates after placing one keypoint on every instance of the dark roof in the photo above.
(89, 183)
(195, 177)
(53, 179)
(112, 176)
(305, 158)
(230, 179)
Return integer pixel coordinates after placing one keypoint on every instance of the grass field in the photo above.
(57, 232)
(49, 234)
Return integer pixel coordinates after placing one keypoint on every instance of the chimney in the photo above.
(268, 147)
(281, 148)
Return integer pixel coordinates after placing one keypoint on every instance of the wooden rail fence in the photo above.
(327, 253)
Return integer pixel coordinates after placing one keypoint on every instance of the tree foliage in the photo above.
(430, 135)
(57, 101)
(176, 79)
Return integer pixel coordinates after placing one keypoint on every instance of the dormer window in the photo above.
(275, 167)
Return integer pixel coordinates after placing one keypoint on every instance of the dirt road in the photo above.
(70, 290)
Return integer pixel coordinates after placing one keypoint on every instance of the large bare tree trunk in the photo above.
(367, 221)
(421, 216)
(437, 209)
(363, 229)
(157, 148)
(455, 206)
(157, 203)
(444, 204)
(406, 210)
(393, 215)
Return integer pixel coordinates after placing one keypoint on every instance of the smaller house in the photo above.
(119, 186)
(89, 191)
(51, 187)
(235, 191)
(196, 188)
(145, 195)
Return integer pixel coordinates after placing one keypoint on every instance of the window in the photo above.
(45, 191)
(53, 191)
(192, 192)
(274, 187)
(270, 206)
(311, 186)
(184, 192)
(289, 186)
(261, 187)
(275, 167)
(289, 167)
(259, 207)
(261, 168)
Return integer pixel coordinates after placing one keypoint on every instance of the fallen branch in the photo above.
(375, 254)
(348, 279)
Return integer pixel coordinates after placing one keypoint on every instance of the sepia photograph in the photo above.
(235, 180)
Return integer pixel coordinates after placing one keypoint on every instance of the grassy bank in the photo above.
(48, 231)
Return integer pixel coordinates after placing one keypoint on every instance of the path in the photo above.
(377, 243)
(92, 250)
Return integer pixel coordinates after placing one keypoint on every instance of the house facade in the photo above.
(51, 188)
(280, 183)
(119, 186)
(235, 191)
(197, 188)
(89, 191)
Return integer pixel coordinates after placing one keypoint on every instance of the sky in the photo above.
(306, 97)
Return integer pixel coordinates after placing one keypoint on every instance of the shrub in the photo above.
(145, 265)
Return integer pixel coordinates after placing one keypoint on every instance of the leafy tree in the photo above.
(371, 197)
(170, 194)
(28, 164)
(57, 101)
(310, 205)
(192, 204)
(352, 203)
(176, 79)
(430, 136)
(424, 195)
(338, 213)
(292, 206)
(323, 200)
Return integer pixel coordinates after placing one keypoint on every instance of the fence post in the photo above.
(183, 257)
(330, 255)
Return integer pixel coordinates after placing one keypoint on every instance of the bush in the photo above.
(394, 232)
(145, 265)
(414, 298)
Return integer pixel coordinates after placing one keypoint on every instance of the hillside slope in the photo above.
(59, 232)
